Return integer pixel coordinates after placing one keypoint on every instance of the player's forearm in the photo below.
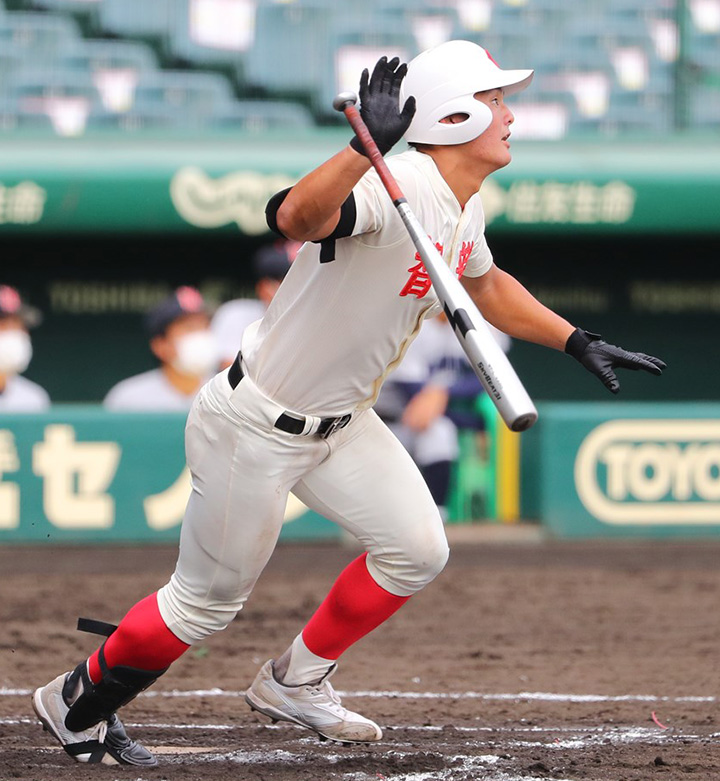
(509, 306)
(312, 207)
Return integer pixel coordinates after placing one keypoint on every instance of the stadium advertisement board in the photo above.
(628, 469)
(101, 185)
(82, 474)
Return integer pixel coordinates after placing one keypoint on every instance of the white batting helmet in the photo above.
(443, 80)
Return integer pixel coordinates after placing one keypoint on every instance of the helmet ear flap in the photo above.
(428, 128)
(483, 116)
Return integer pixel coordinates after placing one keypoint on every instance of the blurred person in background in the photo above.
(417, 402)
(270, 265)
(181, 339)
(17, 393)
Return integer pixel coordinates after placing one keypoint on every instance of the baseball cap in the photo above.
(184, 301)
(12, 305)
(272, 261)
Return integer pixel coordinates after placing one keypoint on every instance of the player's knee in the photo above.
(433, 560)
(193, 619)
(408, 571)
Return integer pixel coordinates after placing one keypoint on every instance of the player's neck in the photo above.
(187, 384)
(463, 176)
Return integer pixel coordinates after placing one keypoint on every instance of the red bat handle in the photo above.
(369, 145)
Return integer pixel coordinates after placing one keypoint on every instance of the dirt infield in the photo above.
(522, 661)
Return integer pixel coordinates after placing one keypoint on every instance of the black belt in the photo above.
(287, 421)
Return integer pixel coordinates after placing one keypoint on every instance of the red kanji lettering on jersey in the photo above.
(419, 282)
(465, 251)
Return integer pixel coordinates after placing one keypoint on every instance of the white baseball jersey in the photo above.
(147, 392)
(348, 308)
(23, 395)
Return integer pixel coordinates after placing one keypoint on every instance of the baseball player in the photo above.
(180, 338)
(17, 393)
(294, 411)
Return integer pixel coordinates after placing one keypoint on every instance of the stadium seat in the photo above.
(11, 60)
(13, 120)
(138, 18)
(431, 23)
(705, 108)
(213, 32)
(290, 50)
(41, 36)
(258, 116)
(149, 119)
(90, 55)
(351, 50)
(115, 67)
(192, 95)
(66, 96)
(69, 6)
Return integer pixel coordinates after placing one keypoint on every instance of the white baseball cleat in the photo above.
(316, 706)
(104, 743)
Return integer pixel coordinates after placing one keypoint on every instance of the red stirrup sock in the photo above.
(142, 640)
(355, 605)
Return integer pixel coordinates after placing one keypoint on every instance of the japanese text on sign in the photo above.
(575, 203)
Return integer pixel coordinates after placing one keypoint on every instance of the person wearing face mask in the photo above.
(181, 340)
(17, 393)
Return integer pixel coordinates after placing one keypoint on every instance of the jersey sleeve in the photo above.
(375, 212)
(369, 208)
(480, 260)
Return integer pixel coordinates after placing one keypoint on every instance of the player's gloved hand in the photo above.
(379, 98)
(602, 358)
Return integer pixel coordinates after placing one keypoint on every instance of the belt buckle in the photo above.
(334, 425)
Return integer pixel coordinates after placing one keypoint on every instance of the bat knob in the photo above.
(343, 100)
(523, 422)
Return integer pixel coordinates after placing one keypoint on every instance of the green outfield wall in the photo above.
(630, 470)
(81, 474)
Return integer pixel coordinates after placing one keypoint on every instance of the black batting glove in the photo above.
(602, 358)
(379, 98)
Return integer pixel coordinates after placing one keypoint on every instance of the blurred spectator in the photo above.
(270, 264)
(421, 402)
(180, 338)
(17, 394)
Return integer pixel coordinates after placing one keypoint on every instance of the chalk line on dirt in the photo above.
(409, 695)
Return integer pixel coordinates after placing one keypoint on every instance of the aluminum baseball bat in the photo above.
(487, 358)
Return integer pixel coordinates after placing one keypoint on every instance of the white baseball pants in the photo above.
(243, 468)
